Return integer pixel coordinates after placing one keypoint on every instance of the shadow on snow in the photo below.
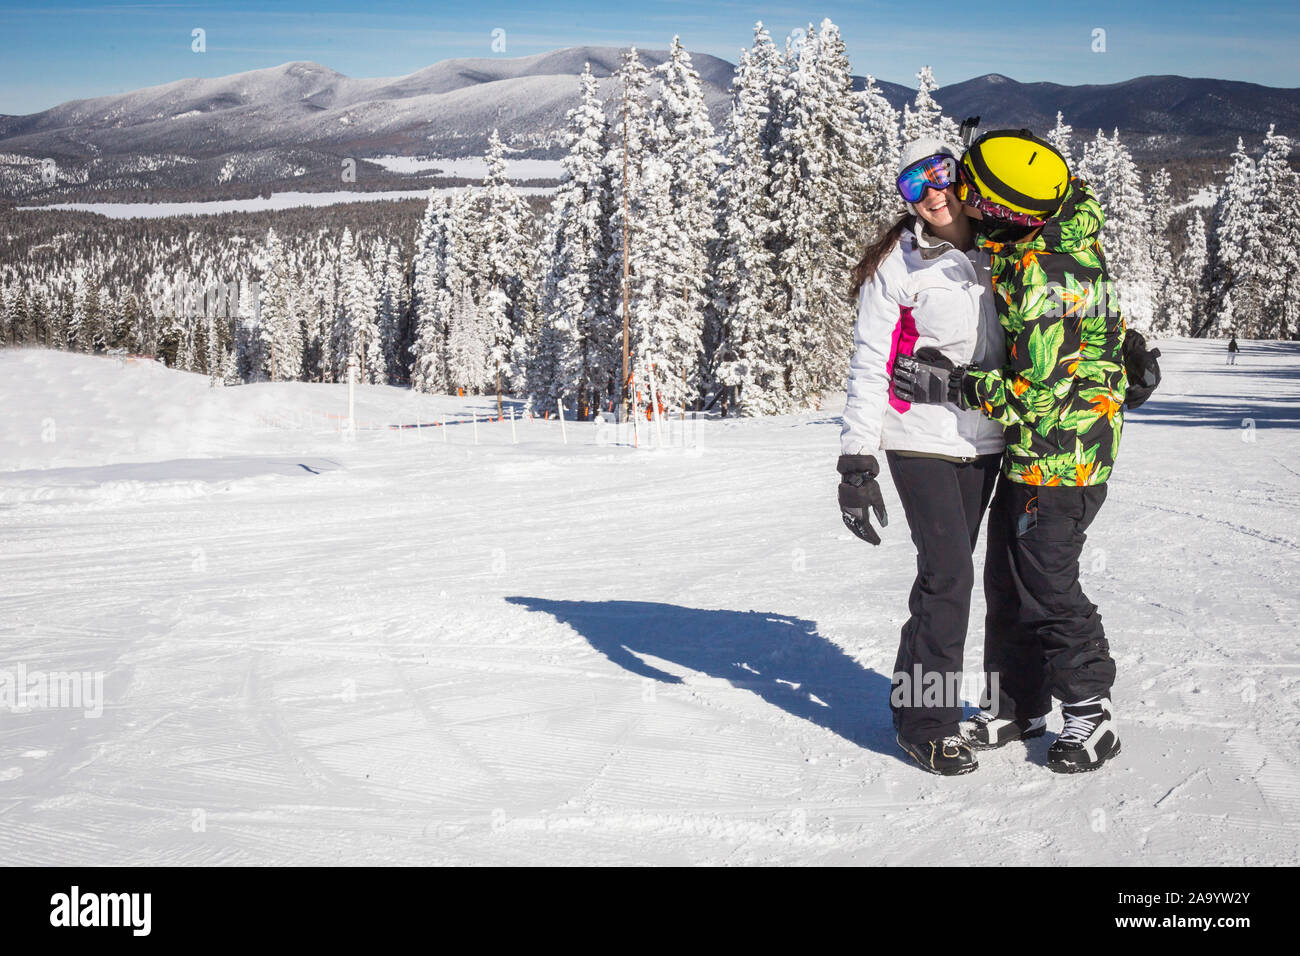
(780, 658)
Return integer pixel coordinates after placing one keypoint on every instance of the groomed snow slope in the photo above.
(405, 649)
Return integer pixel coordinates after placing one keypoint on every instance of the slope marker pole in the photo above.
(654, 408)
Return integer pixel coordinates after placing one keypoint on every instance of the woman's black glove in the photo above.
(858, 492)
(929, 378)
(1141, 367)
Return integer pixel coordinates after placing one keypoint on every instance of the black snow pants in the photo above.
(1042, 636)
(944, 502)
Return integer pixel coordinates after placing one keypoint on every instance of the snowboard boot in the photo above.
(1087, 740)
(947, 756)
(985, 732)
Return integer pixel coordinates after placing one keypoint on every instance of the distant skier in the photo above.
(924, 282)
(1061, 393)
(1233, 349)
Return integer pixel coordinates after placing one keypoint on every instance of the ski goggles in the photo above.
(991, 210)
(933, 172)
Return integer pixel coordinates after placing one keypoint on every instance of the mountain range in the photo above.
(289, 126)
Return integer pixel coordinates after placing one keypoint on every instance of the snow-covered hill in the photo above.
(414, 648)
(295, 121)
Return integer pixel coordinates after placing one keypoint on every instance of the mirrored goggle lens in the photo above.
(933, 172)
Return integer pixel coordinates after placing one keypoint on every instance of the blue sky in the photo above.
(61, 50)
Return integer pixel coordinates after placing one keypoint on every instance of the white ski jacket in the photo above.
(926, 292)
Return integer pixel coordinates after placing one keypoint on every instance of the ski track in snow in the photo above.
(410, 650)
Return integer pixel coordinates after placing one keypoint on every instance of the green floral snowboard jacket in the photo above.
(1061, 393)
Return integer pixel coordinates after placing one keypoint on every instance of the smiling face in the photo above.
(939, 207)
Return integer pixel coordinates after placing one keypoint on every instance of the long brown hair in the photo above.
(875, 254)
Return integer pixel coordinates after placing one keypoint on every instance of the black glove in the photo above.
(859, 491)
(929, 378)
(1141, 367)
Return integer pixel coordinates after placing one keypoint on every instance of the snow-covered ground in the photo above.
(1203, 198)
(412, 648)
(471, 167)
(285, 200)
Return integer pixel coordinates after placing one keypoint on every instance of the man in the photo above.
(1061, 396)
(1233, 349)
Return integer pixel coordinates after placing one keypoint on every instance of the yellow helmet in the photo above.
(1016, 169)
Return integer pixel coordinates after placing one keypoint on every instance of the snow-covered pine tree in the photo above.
(197, 330)
(229, 368)
(338, 344)
(507, 290)
(747, 346)
(62, 303)
(277, 322)
(820, 190)
(575, 351)
(125, 324)
(7, 299)
(688, 150)
(216, 338)
(9, 293)
(320, 306)
(374, 369)
(1190, 280)
(302, 306)
(1126, 236)
(880, 121)
(625, 154)
(465, 268)
(26, 312)
(41, 317)
(356, 327)
(431, 298)
(11, 332)
(1161, 211)
(1277, 262)
(249, 346)
(389, 313)
(656, 244)
(469, 342)
(1233, 244)
(494, 312)
(925, 117)
(81, 322)
(1060, 136)
(17, 330)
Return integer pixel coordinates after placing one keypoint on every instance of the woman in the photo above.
(924, 287)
